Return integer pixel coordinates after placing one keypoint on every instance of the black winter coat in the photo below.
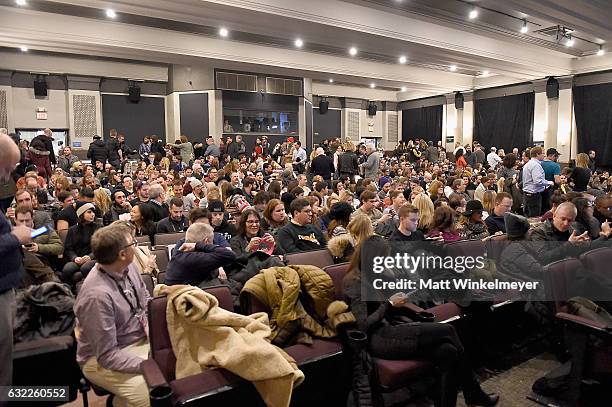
(348, 163)
(98, 151)
(322, 165)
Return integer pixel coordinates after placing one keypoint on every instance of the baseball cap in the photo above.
(552, 151)
(216, 206)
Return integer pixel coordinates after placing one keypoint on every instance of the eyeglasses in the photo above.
(134, 243)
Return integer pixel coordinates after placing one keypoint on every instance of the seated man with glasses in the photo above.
(300, 235)
(111, 318)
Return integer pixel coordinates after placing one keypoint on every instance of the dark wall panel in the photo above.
(422, 123)
(593, 110)
(326, 126)
(194, 115)
(134, 120)
(505, 122)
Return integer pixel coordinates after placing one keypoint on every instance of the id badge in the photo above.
(141, 316)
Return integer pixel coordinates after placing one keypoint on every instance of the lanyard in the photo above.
(134, 309)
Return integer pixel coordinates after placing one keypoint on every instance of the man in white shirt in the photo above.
(493, 159)
(299, 157)
(484, 185)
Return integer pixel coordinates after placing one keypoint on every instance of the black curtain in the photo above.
(505, 122)
(422, 123)
(593, 110)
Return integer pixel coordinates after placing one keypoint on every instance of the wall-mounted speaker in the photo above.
(134, 94)
(552, 88)
(372, 109)
(458, 100)
(323, 106)
(40, 87)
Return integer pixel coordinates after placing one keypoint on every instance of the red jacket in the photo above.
(41, 159)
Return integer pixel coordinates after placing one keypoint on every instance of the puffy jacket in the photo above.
(40, 159)
(278, 288)
(348, 163)
(98, 151)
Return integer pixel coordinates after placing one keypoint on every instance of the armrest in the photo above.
(41, 346)
(583, 323)
(153, 374)
(413, 307)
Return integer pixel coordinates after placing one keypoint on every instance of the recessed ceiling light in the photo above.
(485, 73)
(110, 13)
(23, 48)
(473, 14)
(453, 68)
(21, 2)
(299, 43)
(569, 42)
(372, 85)
(403, 89)
(524, 28)
(331, 80)
(353, 51)
(402, 59)
(223, 32)
(600, 52)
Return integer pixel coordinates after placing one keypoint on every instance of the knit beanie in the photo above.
(516, 225)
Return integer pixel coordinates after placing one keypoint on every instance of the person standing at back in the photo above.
(534, 183)
(11, 267)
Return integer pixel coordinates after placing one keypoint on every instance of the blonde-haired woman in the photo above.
(164, 164)
(488, 201)
(426, 212)
(102, 201)
(343, 246)
(581, 174)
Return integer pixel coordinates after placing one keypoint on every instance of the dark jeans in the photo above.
(7, 318)
(436, 342)
(533, 204)
(73, 273)
(546, 197)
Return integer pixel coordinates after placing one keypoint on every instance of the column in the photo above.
(467, 119)
(540, 119)
(84, 110)
(566, 141)
(6, 101)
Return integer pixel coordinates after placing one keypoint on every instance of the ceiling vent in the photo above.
(281, 86)
(236, 81)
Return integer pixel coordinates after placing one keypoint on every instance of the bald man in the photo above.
(11, 266)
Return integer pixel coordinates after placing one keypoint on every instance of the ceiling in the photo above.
(488, 50)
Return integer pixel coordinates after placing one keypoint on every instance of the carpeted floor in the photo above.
(512, 385)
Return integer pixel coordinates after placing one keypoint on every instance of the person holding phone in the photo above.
(390, 337)
(11, 267)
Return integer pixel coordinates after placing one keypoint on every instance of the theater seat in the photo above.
(495, 247)
(161, 258)
(393, 374)
(337, 273)
(589, 357)
(164, 239)
(318, 258)
(472, 247)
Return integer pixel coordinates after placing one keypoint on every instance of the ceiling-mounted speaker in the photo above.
(372, 108)
(134, 93)
(40, 87)
(458, 100)
(552, 88)
(323, 106)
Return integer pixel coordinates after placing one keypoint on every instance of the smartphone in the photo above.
(39, 231)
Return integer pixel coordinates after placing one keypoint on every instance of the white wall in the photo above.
(24, 106)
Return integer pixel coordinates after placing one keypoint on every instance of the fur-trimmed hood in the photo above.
(338, 245)
(37, 151)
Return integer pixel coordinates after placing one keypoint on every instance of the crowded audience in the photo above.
(231, 209)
